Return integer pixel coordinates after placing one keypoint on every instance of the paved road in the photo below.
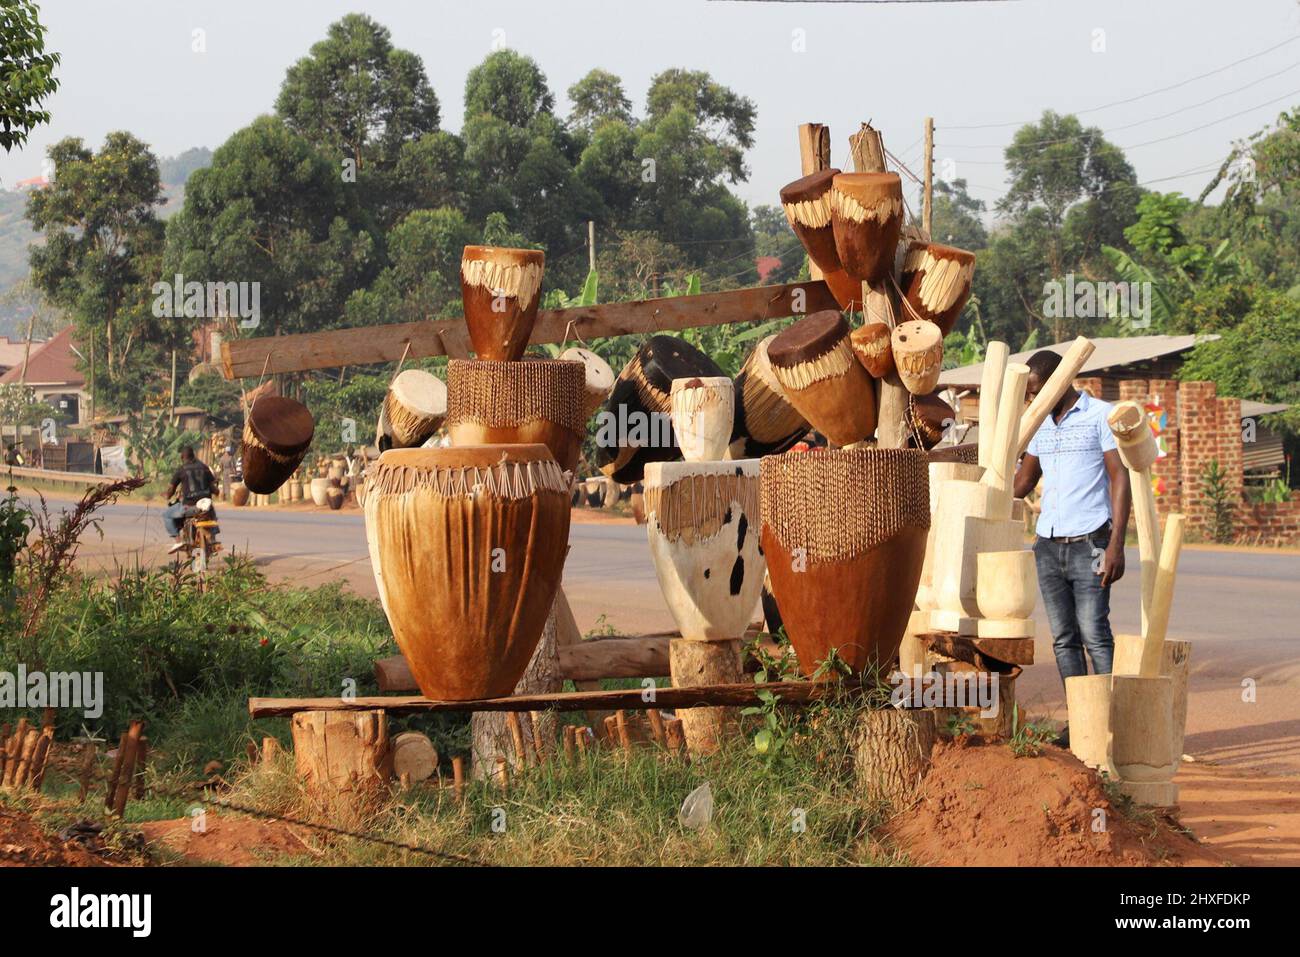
(1240, 608)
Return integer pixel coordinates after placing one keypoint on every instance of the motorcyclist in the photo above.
(194, 480)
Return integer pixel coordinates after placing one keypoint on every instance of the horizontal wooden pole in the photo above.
(627, 699)
(364, 345)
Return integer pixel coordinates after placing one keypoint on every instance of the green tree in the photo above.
(509, 86)
(598, 98)
(956, 216)
(26, 72)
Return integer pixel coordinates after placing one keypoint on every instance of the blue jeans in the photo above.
(174, 518)
(1078, 608)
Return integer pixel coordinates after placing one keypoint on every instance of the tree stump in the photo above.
(491, 732)
(693, 663)
(414, 755)
(892, 754)
(344, 759)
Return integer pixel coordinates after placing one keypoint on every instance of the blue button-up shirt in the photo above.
(1076, 488)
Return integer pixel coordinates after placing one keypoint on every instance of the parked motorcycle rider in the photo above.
(195, 480)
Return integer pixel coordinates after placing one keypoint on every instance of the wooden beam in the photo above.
(630, 699)
(366, 345)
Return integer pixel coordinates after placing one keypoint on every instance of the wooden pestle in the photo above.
(1001, 472)
(995, 366)
(1053, 389)
(1137, 450)
(1153, 642)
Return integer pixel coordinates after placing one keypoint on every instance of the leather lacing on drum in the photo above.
(849, 207)
(840, 504)
(812, 213)
(697, 506)
(829, 365)
(502, 395)
(519, 281)
(505, 480)
(250, 438)
(943, 280)
(406, 424)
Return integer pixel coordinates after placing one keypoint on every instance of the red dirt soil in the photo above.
(23, 843)
(982, 805)
(236, 841)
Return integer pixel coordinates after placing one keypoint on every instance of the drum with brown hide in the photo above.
(936, 281)
(766, 423)
(814, 362)
(277, 434)
(807, 205)
(500, 288)
(866, 216)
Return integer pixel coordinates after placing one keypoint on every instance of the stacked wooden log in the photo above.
(24, 755)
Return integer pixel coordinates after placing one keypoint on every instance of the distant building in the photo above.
(12, 352)
(51, 373)
(27, 185)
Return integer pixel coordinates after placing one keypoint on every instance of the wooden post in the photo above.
(89, 756)
(141, 763)
(25, 757)
(674, 735)
(129, 751)
(42, 757)
(113, 778)
(580, 737)
(539, 743)
(570, 745)
(927, 200)
(14, 748)
(517, 737)
(656, 725)
(458, 777)
(705, 663)
(814, 155)
(624, 739)
(270, 749)
(591, 245)
(344, 759)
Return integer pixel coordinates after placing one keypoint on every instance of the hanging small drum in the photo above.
(844, 534)
(500, 289)
(866, 215)
(936, 281)
(414, 409)
(918, 355)
(846, 290)
(766, 422)
(807, 205)
(533, 401)
(703, 412)
(930, 418)
(872, 347)
(599, 377)
(635, 426)
(814, 362)
(468, 546)
(277, 434)
(703, 524)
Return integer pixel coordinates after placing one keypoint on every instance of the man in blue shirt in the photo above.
(1085, 509)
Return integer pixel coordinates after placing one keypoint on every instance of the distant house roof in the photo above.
(1110, 353)
(34, 182)
(1250, 408)
(52, 363)
(766, 265)
(12, 352)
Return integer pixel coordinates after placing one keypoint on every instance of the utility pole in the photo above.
(173, 395)
(591, 245)
(927, 203)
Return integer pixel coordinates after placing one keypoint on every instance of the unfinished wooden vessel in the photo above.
(277, 433)
(917, 346)
(635, 427)
(414, 409)
(866, 216)
(844, 536)
(1006, 590)
(703, 523)
(936, 282)
(537, 400)
(872, 345)
(599, 377)
(766, 423)
(814, 362)
(807, 205)
(500, 289)
(468, 546)
(703, 413)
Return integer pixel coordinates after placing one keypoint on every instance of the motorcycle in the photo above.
(199, 531)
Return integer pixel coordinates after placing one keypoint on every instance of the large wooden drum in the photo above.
(500, 289)
(936, 281)
(536, 400)
(636, 425)
(866, 216)
(277, 434)
(703, 524)
(766, 423)
(807, 205)
(414, 409)
(468, 547)
(844, 534)
(599, 377)
(815, 364)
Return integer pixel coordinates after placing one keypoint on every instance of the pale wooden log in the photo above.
(413, 756)
(1001, 473)
(620, 723)
(693, 663)
(1055, 387)
(814, 155)
(368, 345)
(892, 754)
(995, 366)
(580, 737)
(1137, 449)
(517, 738)
(616, 657)
(13, 748)
(867, 146)
(25, 756)
(345, 760)
(1088, 707)
(1171, 546)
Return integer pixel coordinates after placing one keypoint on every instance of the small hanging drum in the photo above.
(277, 434)
(814, 362)
(468, 546)
(930, 418)
(866, 215)
(872, 347)
(807, 205)
(936, 281)
(703, 412)
(635, 426)
(844, 534)
(766, 422)
(703, 524)
(536, 400)
(500, 289)
(918, 354)
(414, 409)
(599, 377)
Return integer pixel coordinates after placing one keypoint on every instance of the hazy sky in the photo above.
(129, 64)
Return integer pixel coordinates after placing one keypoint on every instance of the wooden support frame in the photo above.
(366, 345)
